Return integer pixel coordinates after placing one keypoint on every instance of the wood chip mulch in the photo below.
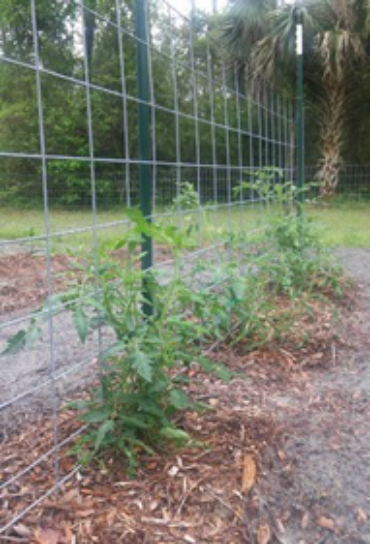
(205, 494)
(23, 280)
(211, 493)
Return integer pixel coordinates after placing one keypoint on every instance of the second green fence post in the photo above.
(144, 118)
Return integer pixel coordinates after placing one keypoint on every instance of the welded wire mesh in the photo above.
(353, 181)
(69, 168)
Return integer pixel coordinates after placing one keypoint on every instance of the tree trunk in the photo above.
(331, 136)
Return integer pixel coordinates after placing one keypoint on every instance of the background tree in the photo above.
(336, 52)
(61, 33)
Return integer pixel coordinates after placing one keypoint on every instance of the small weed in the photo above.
(188, 198)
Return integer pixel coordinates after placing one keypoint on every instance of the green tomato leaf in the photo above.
(141, 363)
(179, 399)
(174, 434)
(136, 216)
(81, 323)
(104, 429)
(95, 304)
(16, 343)
(117, 347)
(223, 374)
(135, 422)
(21, 340)
(97, 415)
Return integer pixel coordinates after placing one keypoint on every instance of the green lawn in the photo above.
(209, 224)
(345, 225)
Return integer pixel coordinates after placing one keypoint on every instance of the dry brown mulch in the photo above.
(23, 277)
(23, 281)
(212, 493)
(196, 494)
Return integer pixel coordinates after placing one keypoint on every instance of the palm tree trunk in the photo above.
(290, 155)
(331, 136)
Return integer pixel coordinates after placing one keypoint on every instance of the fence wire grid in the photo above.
(76, 174)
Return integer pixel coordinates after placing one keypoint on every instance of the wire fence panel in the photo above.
(353, 181)
(71, 164)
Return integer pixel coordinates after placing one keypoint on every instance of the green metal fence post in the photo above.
(300, 106)
(145, 168)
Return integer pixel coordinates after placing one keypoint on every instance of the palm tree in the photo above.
(260, 38)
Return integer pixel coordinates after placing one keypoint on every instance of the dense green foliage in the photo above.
(114, 118)
(111, 63)
(143, 373)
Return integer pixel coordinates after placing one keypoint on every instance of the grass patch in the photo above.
(208, 225)
(340, 225)
(344, 225)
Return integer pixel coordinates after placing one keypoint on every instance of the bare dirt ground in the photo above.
(287, 460)
(328, 426)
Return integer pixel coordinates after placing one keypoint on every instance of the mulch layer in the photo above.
(281, 455)
(23, 280)
(225, 490)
